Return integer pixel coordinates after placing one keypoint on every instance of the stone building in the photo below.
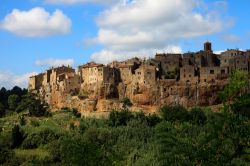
(35, 82)
(188, 75)
(97, 78)
(212, 74)
(168, 62)
(69, 83)
(145, 75)
(196, 76)
(235, 59)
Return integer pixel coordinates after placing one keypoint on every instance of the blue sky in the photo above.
(37, 34)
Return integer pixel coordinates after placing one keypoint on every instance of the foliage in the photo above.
(238, 81)
(13, 101)
(34, 140)
(197, 116)
(75, 151)
(34, 123)
(76, 113)
(17, 136)
(126, 103)
(2, 110)
(22, 120)
(175, 113)
(241, 105)
(177, 137)
(118, 118)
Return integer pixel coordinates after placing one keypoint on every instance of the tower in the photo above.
(208, 46)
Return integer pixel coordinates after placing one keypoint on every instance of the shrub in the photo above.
(17, 136)
(22, 120)
(242, 105)
(153, 120)
(197, 116)
(2, 110)
(34, 123)
(76, 113)
(120, 118)
(126, 103)
(42, 137)
(174, 113)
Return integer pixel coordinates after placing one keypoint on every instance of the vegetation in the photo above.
(176, 136)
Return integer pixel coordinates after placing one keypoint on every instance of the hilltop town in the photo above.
(189, 79)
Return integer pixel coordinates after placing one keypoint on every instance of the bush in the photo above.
(2, 110)
(197, 116)
(17, 136)
(242, 105)
(42, 137)
(126, 103)
(34, 123)
(174, 113)
(22, 120)
(153, 120)
(75, 150)
(120, 118)
(76, 113)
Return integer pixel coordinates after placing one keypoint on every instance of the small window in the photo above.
(211, 71)
(184, 75)
(205, 80)
(190, 75)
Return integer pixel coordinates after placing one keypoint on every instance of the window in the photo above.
(184, 75)
(211, 71)
(225, 60)
(205, 80)
(223, 71)
(149, 73)
(190, 75)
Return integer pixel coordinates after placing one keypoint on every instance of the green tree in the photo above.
(2, 110)
(33, 105)
(13, 101)
(238, 81)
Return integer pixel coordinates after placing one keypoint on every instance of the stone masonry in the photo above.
(190, 79)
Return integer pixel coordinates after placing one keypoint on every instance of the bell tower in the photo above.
(208, 46)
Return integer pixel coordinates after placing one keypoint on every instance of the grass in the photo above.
(26, 154)
(57, 122)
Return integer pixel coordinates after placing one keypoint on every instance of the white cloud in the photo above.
(106, 56)
(9, 80)
(139, 25)
(70, 2)
(219, 51)
(55, 62)
(230, 38)
(36, 22)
